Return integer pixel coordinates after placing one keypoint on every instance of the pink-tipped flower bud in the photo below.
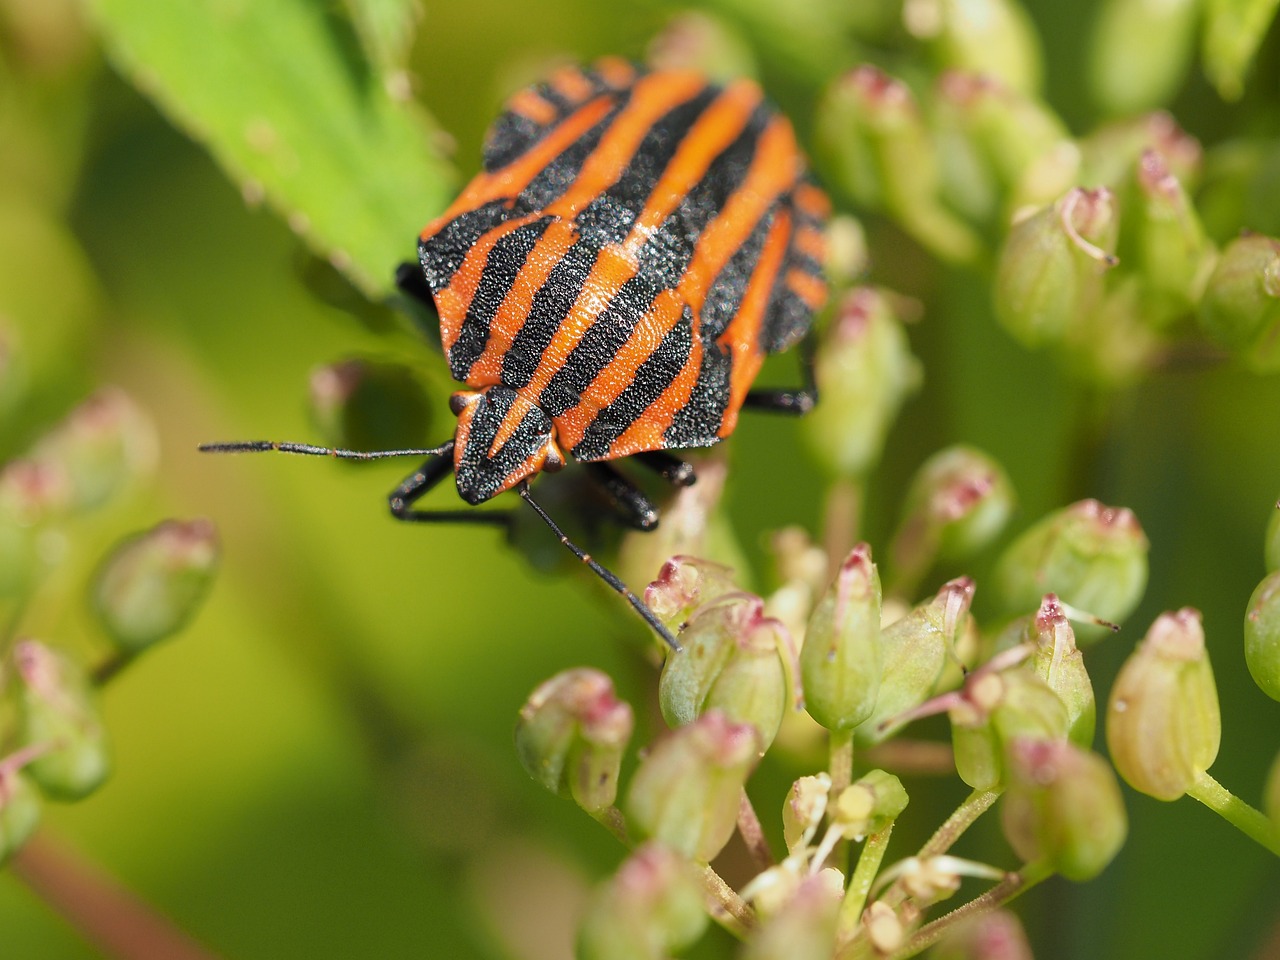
(1060, 664)
(571, 736)
(997, 935)
(649, 909)
(842, 660)
(683, 585)
(995, 37)
(994, 709)
(1172, 252)
(1062, 808)
(695, 40)
(687, 790)
(1240, 308)
(1163, 720)
(801, 928)
(1094, 557)
(60, 719)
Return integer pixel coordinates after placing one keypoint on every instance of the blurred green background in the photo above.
(321, 766)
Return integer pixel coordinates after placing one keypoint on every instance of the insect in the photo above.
(609, 285)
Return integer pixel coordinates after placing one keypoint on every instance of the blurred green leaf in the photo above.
(304, 125)
(386, 29)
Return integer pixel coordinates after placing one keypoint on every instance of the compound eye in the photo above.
(461, 400)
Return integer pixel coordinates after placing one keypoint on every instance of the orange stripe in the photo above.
(812, 201)
(615, 71)
(529, 103)
(742, 336)
(811, 243)
(514, 310)
(810, 289)
(648, 432)
(515, 176)
(571, 84)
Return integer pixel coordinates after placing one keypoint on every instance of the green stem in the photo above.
(974, 806)
(841, 767)
(843, 518)
(855, 898)
(753, 833)
(1253, 823)
(1011, 886)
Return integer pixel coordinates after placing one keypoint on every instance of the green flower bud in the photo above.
(997, 935)
(847, 256)
(876, 148)
(805, 806)
(1059, 663)
(869, 805)
(885, 929)
(696, 40)
(19, 805)
(1141, 52)
(1063, 807)
(1262, 636)
(151, 585)
(1109, 154)
(731, 662)
(993, 710)
(1272, 553)
(1094, 557)
(364, 404)
(1241, 304)
(958, 502)
(1271, 794)
(31, 492)
(571, 736)
(841, 660)
(684, 585)
(649, 909)
(1172, 250)
(917, 650)
(802, 928)
(687, 790)
(866, 371)
(1163, 723)
(995, 37)
(60, 716)
(1234, 29)
(102, 446)
(1051, 267)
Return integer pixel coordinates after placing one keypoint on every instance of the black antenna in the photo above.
(267, 446)
(603, 573)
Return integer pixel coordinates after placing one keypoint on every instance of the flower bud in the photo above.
(649, 909)
(696, 40)
(60, 717)
(917, 650)
(997, 935)
(841, 660)
(876, 149)
(1063, 807)
(1109, 153)
(1141, 52)
(995, 37)
(1262, 636)
(1059, 663)
(805, 806)
(870, 805)
(847, 257)
(885, 929)
(31, 492)
(1051, 267)
(730, 661)
(1241, 304)
(1232, 35)
(994, 709)
(866, 371)
(364, 404)
(151, 585)
(1171, 247)
(802, 928)
(19, 806)
(1272, 550)
(686, 791)
(571, 736)
(1163, 723)
(958, 502)
(684, 585)
(101, 446)
(1094, 557)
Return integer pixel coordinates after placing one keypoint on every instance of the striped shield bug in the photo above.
(609, 285)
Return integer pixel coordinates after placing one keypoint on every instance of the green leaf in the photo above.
(282, 98)
(386, 29)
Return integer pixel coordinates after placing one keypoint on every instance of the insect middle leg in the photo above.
(419, 483)
(634, 508)
(795, 402)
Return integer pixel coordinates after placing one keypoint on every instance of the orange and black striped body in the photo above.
(612, 281)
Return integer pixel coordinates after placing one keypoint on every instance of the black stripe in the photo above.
(724, 297)
(787, 318)
(557, 176)
(505, 259)
(652, 377)
(442, 254)
(610, 215)
(799, 260)
(550, 305)
(697, 424)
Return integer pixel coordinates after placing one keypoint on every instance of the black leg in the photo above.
(794, 402)
(416, 485)
(634, 507)
(603, 573)
(675, 471)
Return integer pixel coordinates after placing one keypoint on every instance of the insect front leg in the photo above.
(420, 482)
(634, 508)
(677, 472)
